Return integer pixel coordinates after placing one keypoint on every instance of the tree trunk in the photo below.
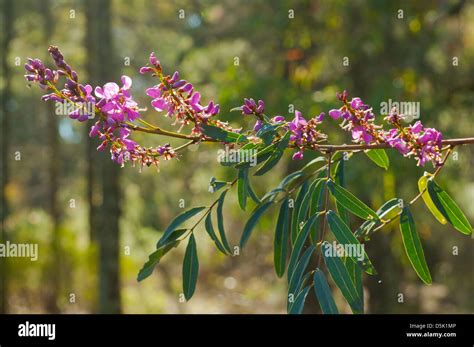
(108, 237)
(7, 11)
(53, 271)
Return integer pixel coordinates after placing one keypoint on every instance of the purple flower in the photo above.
(277, 119)
(251, 107)
(116, 102)
(335, 114)
(320, 118)
(298, 155)
(258, 125)
(359, 133)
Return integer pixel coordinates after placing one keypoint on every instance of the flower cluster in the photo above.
(177, 98)
(358, 119)
(304, 134)
(114, 104)
(251, 107)
(425, 144)
(115, 111)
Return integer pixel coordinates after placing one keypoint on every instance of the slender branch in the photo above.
(326, 202)
(348, 148)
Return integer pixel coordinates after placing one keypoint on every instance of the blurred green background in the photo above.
(68, 199)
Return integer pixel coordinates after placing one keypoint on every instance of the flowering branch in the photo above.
(117, 115)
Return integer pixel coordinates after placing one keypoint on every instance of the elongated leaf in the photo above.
(317, 201)
(153, 260)
(242, 188)
(379, 157)
(412, 244)
(344, 236)
(298, 305)
(176, 222)
(262, 155)
(339, 179)
(254, 218)
(252, 194)
(212, 234)
(355, 272)
(389, 206)
(295, 227)
(282, 231)
(306, 202)
(313, 165)
(449, 208)
(341, 277)
(423, 188)
(350, 202)
(323, 293)
(221, 134)
(297, 275)
(299, 243)
(220, 222)
(190, 268)
(276, 155)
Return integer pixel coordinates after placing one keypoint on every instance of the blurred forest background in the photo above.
(96, 223)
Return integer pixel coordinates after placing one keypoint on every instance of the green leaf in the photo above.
(298, 304)
(221, 134)
(350, 202)
(313, 165)
(252, 194)
(262, 155)
(389, 206)
(176, 222)
(449, 208)
(190, 268)
(297, 275)
(299, 243)
(282, 231)
(220, 222)
(254, 218)
(344, 236)
(242, 191)
(153, 260)
(323, 293)
(355, 272)
(275, 156)
(379, 157)
(412, 244)
(339, 179)
(317, 206)
(306, 202)
(341, 277)
(212, 234)
(295, 227)
(423, 188)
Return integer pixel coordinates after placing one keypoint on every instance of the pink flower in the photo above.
(335, 114)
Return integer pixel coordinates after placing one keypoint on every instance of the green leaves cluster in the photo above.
(300, 242)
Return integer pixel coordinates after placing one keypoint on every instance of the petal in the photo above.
(127, 82)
